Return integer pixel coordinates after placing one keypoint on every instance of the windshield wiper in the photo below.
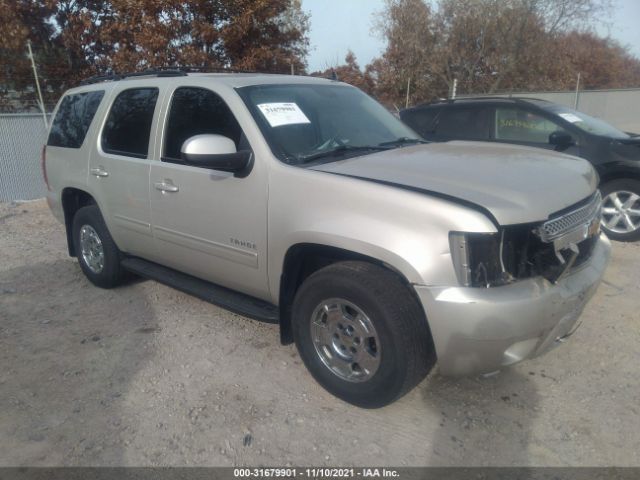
(402, 141)
(334, 152)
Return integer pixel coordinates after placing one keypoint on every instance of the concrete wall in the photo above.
(620, 108)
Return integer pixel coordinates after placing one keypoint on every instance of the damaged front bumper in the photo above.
(479, 330)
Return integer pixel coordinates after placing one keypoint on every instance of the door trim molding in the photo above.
(216, 249)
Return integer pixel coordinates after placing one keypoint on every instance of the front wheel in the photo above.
(621, 209)
(361, 333)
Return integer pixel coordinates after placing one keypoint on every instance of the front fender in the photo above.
(408, 231)
(618, 169)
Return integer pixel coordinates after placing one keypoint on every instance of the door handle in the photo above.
(166, 186)
(99, 171)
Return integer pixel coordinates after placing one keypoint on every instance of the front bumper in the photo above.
(484, 329)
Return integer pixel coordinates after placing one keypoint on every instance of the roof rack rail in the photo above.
(198, 69)
(514, 99)
(478, 97)
(145, 73)
(163, 72)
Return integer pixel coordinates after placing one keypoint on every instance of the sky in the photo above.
(340, 25)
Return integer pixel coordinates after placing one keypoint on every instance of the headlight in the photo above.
(477, 259)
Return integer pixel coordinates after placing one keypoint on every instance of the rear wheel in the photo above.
(97, 253)
(621, 209)
(361, 333)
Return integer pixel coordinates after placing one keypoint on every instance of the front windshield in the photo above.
(586, 123)
(303, 122)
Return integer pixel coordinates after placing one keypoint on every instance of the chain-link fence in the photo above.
(22, 136)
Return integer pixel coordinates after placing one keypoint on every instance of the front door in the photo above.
(208, 223)
(521, 126)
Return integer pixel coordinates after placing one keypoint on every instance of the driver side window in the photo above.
(518, 125)
(196, 111)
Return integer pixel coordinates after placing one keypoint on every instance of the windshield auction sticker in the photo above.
(278, 114)
(570, 117)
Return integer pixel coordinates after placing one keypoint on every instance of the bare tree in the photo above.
(486, 45)
(408, 27)
(73, 39)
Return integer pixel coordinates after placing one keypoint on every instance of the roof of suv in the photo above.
(233, 80)
(475, 100)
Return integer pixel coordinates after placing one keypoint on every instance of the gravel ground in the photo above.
(145, 375)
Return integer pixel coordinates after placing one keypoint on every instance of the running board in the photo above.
(209, 292)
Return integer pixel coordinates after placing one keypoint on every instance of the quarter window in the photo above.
(523, 126)
(421, 120)
(129, 123)
(73, 119)
(196, 111)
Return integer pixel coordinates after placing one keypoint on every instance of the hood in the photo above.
(514, 184)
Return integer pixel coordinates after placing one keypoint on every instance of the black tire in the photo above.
(112, 273)
(622, 185)
(406, 348)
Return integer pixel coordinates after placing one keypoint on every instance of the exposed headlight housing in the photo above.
(460, 257)
(478, 259)
(518, 252)
(548, 249)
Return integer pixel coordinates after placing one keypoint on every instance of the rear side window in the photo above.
(73, 119)
(195, 111)
(129, 123)
(464, 123)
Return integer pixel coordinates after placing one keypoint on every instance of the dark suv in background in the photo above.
(539, 123)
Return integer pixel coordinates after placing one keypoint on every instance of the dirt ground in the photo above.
(145, 375)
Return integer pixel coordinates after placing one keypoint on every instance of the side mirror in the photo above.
(561, 140)
(216, 152)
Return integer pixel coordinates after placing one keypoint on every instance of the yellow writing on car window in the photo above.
(512, 123)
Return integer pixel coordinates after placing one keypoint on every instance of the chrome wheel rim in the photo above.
(345, 340)
(91, 249)
(621, 212)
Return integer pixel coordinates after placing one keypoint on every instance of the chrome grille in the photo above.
(559, 226)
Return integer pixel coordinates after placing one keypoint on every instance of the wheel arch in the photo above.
(72, 200)
(617, 173)
(303, 259)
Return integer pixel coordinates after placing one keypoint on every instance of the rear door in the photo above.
(71, 140)
(209, 223)
(468, 122)
(119, 168)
